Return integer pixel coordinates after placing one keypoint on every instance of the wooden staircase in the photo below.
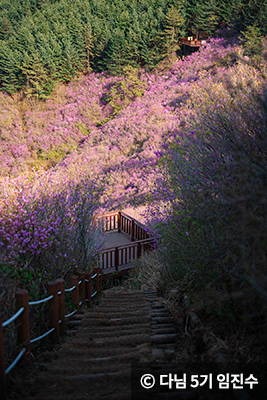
(126, 327)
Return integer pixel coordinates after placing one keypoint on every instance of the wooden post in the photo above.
(61, 301)
(116, 258)
(132, 235)
(81, 276)
(23, 321)
(100, 279)
(119, 221)
(139, 250)
(88, 290)
(3, 393)
(97, 281)
(75, 293)
(53, 310)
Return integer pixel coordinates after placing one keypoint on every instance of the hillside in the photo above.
(182, 147)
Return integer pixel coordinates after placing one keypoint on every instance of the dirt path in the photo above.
(127, 326)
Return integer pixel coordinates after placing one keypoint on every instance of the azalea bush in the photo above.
(46, 229)
(215, 235)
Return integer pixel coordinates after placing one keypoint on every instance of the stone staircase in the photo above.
(126, 327)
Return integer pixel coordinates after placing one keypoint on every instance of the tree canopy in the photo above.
(42, 41)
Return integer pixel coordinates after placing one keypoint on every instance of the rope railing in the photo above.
(42, 336)
(32, 303)
(15, 316)
(70, 289)
(80, 290)
(69, 315)
(15, 361)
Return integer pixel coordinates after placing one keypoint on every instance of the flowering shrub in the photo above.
(46, 228)
(108, 159)
(215, 235)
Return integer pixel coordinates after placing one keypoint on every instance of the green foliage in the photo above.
(252, 40)
(88, 40)
(215, 237)
(125, 91)
(174, 24)
(103, 122)
(82, 128)
(55, 154)
(206, 18)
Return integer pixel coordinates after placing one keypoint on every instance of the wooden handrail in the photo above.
(122, 222)
(136, 242)
(120, 256)
(81, 288)
(56, 314)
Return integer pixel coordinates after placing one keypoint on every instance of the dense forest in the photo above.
(43, 41)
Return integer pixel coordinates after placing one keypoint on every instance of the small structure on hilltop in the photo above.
(189, 44)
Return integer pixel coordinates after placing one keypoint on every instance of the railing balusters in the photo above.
(116, 258)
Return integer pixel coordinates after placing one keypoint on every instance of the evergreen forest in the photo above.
(43, 41)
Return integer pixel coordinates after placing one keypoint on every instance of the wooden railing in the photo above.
(81, 291)
(117, 258)
(191, 43)
(122, 222)
(121, 256)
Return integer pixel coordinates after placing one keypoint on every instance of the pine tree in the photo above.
(88, 42)
(10, 76)
(206, 18)
(116, 56)
(254, 11)
(252, 40)
(228, 11)
(38, 82)
(173, 29)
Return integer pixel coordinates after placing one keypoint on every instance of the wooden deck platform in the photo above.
(126, 240)
(115, 239)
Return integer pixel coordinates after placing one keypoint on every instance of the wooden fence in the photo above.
(119, 258)
(191, 43)
(114, 259)
(122, 222)
(81, 292)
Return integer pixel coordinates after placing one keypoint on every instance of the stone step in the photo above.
(161, 326)
(116, 321)
(67, 350)
(162, 320)
(164, 338)
(133, 331)
(117, 328)
(111, 315)
(163, 331)
(131, 340)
